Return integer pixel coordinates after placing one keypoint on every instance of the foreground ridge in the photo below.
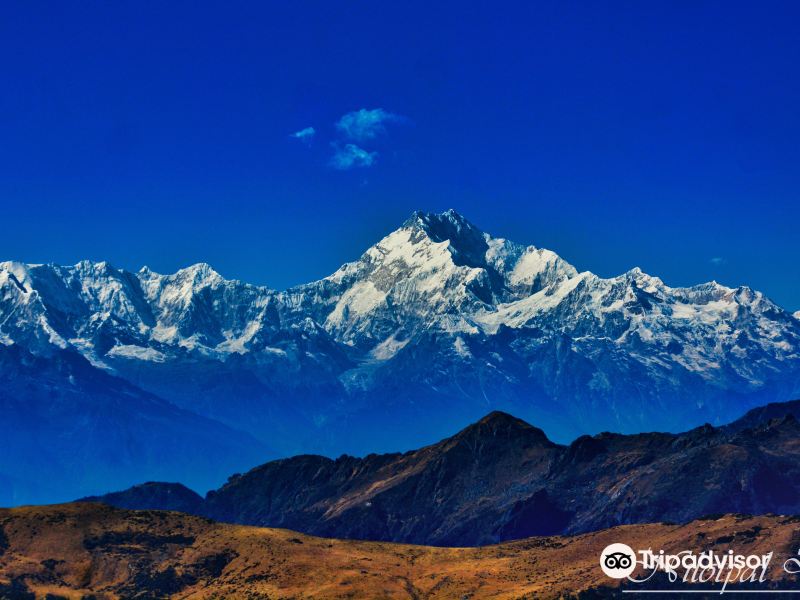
(93, 549)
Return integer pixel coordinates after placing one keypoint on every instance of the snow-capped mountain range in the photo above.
(431, 328)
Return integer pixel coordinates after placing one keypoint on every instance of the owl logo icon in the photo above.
(618, 561)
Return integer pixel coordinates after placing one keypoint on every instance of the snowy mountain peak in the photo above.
(643, 280)
(15, 272)
(200, 273)
(181, 286)
(466, 242)
(429, 220)
(519, 268)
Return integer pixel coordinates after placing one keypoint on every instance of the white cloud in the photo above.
(351, 156)
(364, 124)
(304, 135)
(718, 261)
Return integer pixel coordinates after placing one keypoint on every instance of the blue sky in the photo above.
(620, 134)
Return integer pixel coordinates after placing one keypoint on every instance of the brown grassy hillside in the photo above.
(94, 551)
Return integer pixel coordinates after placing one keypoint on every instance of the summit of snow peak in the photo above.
(466, 242)
(200, 271)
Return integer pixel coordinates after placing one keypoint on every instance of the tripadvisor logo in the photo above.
(712, 568)
(618, 561)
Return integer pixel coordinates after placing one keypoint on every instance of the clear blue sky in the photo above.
(664, 135)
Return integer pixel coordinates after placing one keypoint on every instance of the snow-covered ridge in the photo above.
(437, 287)
(433, 265)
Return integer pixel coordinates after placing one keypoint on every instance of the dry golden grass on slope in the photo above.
(80, 550)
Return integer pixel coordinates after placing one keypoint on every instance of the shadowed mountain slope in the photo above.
(502, 479)
(68, 428)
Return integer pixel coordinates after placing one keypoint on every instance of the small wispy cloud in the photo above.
(352, 136)
(304, 135)
(361, 125)
(351, 156)
(718, 261)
